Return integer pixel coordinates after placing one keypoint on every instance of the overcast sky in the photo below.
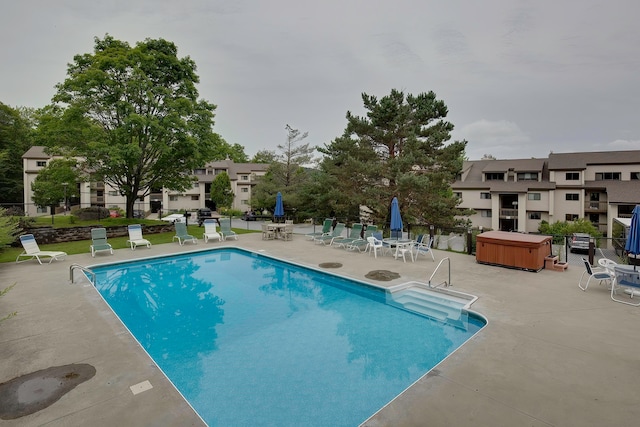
(520, 78)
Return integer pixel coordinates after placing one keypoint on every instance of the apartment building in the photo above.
(516, 195)
(243, 177)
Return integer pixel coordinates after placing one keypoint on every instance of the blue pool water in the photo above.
(253, 341)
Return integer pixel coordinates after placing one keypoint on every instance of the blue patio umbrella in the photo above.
(633, 239)
(279, 210)
(396, 219)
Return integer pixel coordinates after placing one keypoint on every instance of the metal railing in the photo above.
(85, 270)
(445, 283)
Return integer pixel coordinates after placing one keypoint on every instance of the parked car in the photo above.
(173, 218)
(254, 216)
(137, 213)
(579, 242)
(203, 213)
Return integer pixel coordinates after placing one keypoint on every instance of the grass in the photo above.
(10, 254)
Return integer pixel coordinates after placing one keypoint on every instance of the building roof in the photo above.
(36, 152)
(579, 161)
(618, 192)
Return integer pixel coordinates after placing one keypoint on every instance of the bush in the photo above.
(93, 212)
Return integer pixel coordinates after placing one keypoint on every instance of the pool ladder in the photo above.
(445, 283)
(85, 270)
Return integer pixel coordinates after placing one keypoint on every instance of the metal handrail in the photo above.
(85, 270)
(445, 283)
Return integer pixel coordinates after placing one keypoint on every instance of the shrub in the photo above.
(93, 212)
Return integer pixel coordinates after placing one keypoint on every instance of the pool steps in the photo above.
(441, 304)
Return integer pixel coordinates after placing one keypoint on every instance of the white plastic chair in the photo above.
(210, 231)
(424, 245)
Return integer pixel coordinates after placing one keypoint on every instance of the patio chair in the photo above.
(210, 230)
(354, 234)
(182, 234)
(268, 233)
(404, 249)
(32, 250)
(135, 236)
(374, 245)
(326, 229)
(99, 241)
(287, 233)
(629, 279)
(335, 234)
(362, 244)
(424, 244)
(594, 273)
(226, 232)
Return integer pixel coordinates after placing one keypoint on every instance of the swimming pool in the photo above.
(250, 340)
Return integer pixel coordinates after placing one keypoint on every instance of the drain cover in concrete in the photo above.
(382, 275)
(35, 391)
(330, 265)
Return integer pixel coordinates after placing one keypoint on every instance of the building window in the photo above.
(608, 176)
(535, 215)
(494, 176)
(41, 209)
(173, 198)
(196, 185)
(41, 163)
(113, 193)
(244, 202)
(635, 176)
(571, 217)
(533, 196)
(485, 195)
(485, 213)
(200, 171)
(244, 190)
(572, 196)
(527, 176)
(244, 177)
(457, 194)
(195, 197)
(573, 176)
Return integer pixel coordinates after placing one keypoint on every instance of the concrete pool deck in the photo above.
(551, 354)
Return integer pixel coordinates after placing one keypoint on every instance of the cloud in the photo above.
(502, 139)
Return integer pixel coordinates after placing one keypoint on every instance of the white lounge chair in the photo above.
(32, 250)
(99, 241)
(210, 231)
(135, 236)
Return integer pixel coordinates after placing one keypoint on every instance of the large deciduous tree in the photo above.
(143, 125)
(397, 149)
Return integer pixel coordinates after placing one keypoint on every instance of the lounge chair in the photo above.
(99, 241)
(424, 244)
(363, 243)
(354, 234)
(210, 230)
(335, 234)
(182, 234)
(326, 229)
(135, 236)
(32, 250)
(226, 232)
(601, 274)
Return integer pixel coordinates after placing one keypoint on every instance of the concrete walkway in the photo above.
(551, 355)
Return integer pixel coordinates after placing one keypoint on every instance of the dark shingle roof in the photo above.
(579, 161)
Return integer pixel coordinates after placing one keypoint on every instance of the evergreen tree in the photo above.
(397, 149)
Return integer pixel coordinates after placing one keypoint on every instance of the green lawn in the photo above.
(82, 246)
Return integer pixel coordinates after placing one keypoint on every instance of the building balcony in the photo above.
(595, 207)
(511, 213)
